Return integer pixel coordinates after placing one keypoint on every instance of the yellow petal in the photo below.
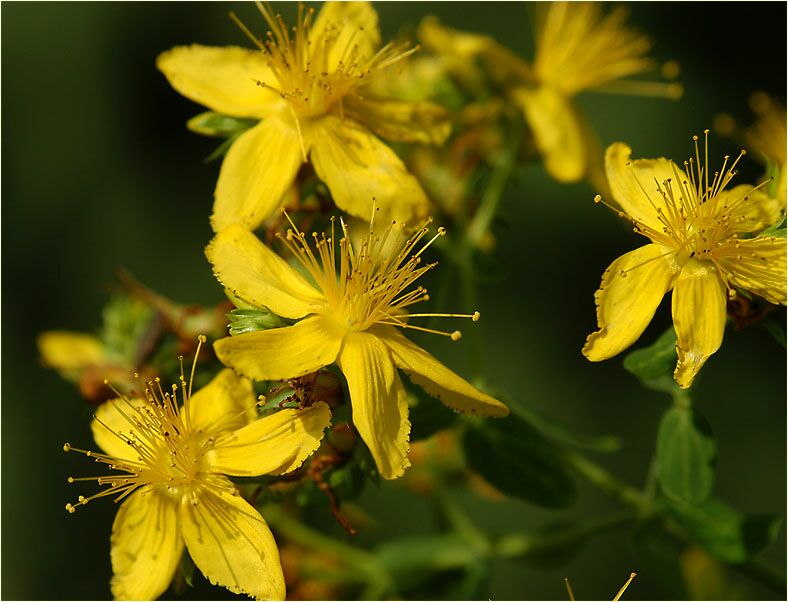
(146, 545)
(757, 265)
(286, 352)
(258, 276)
(225, 404)
(380, 407)
(749, 210)
(231, 544)
(634, 183)
(401, 121)
(362, 172)
(436, 379)
(221, 78)
(70, 352)
(353, 24)
(557, 131)
(113, 419)
(275, 444)
(257, 171)
(631, 290)
(699, 312)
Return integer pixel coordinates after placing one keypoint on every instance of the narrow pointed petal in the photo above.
(380, 408)
(757, 265)
(276, 444)
(631, 290)
(146, 545)
(436, 379)
(112, 422)
(362, 173)
(633, 183)
(280, 353)
(223, 79)
(225, 404)
(230, 543)
(699, 312)
(256, 172)
(254, 273)
(557, 131)
(355, 23)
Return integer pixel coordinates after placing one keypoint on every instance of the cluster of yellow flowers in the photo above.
(318, 99)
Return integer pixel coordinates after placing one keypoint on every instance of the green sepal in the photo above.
(217, 125)
(516, 459)
(776, 230)
(686, 455)
(250, 320)
(724, 532)
(772, 172)
(651, 364)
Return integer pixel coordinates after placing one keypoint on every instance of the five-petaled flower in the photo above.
(701, 248)
(349, 314)
(309, 88)
(172, 464)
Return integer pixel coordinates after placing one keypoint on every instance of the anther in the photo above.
(70, 479)
(476, 316)
(66, 447)
(456, 335)
(70, 508)
(732, 294)
(598, 198)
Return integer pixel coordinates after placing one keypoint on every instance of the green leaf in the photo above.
(346, 482)
(686, 455)
(249, 320)
(127, 320)
(516, 459)
(725, 532)
(654, 362)
(776, 328)
(218, 125)
(657, 553)
(427, 414)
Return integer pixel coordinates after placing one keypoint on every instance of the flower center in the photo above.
(371, 284)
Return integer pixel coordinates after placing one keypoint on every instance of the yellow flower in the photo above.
(309, 89)
(577, 48)
(172, 463)
(700, 249)
(349, 316)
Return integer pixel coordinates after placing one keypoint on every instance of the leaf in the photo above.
(249, 320)
(657, 553)
(218, 125)
(655, 361)
(427, 414)
(686, 454)
(724, 532)
(775, 328)
(126, 322)
(346, 482)
(516, 459)
(777, 230)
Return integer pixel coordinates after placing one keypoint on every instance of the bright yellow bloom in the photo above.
(577, 48)
(700, 249)
(172, 462)
(347, 315)
(310, 88)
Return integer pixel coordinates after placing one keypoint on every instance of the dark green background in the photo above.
(99, 172)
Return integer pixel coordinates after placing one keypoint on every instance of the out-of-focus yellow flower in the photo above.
(699, 249)
(172, 463)
(349, 315)
(309, 89)
(766, 137)
(577, 48)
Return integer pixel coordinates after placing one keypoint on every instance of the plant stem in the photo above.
(601, 478)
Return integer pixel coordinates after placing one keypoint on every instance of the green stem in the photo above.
(601, 478)
(523, 544)
(764, 573)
